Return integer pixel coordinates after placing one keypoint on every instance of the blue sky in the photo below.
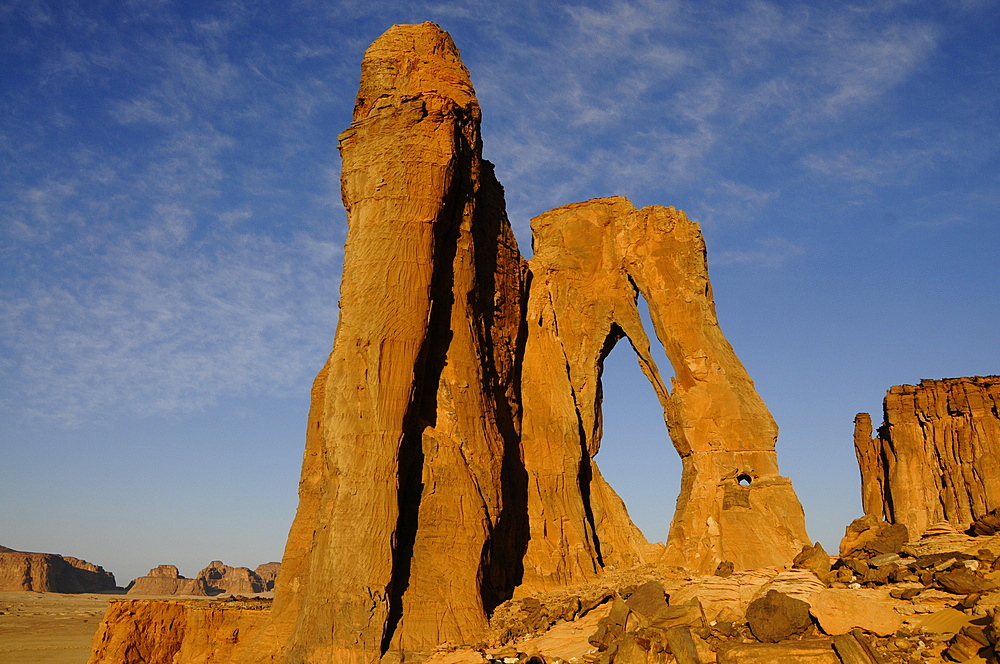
(171, 232)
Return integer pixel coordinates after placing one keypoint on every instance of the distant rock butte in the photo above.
(51, 572)
(450, 441)
(215, 579)
(165, 580)
(233, 580)
(936, 455)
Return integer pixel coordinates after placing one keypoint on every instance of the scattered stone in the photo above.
(813, 558)
(776, 617)
(855, 648)
(725, 568)
(805, 651)
(963, 582)
(648, 599)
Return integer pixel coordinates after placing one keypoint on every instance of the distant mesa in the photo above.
(215, 579)
(51, 573)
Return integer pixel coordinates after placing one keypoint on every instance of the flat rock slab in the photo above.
(945, 621)
(838, 611)
(806, 651)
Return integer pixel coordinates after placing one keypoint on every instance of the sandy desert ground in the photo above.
(49, 628)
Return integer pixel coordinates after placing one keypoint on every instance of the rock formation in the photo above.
(935, 455)
(222, 578)
(592, 262)
(165, 580)
(51, 573)
(408, 530)
(451, 435)
(268, 572)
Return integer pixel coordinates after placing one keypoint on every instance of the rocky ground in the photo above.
(882, 600)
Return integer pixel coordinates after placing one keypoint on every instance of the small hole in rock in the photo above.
(744, 479)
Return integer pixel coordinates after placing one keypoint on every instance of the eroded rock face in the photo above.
(268, 572)
(51, 573)
(408, 529)
(592, 262)
(935, 456)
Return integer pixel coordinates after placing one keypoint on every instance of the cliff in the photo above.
(935, 456)
(50, 572)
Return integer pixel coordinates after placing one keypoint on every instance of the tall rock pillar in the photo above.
(408, 528)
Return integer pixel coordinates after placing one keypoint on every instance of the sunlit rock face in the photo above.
(592, 263)
(451, 435)
(936, 455)
(411, 524)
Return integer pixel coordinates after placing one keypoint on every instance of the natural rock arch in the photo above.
(592, 261)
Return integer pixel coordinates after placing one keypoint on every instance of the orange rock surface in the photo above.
(592, 263)
(451, 435)
(403, 536)
(935, 456)
(142, 631)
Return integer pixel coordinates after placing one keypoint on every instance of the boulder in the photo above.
(776, 617)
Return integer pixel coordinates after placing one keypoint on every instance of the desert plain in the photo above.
(49, 628)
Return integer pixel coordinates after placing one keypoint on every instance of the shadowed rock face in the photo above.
(935, 455)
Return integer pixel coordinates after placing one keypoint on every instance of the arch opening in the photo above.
(636, 455)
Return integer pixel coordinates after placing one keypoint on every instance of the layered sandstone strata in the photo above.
(140, 631)
(936, 455)
(592, 263)
(50, 572)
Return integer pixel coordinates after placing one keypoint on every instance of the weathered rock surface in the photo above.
(222, 578)
(165, 580)
(138, 631)
(452, 431)
(592, 262)
(838, 611)
(51, 572)
(776, 617)
(935, 455)
(410, 525)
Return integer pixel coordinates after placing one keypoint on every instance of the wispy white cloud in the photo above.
(772, 252)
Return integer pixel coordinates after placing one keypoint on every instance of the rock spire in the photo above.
(935, 456)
